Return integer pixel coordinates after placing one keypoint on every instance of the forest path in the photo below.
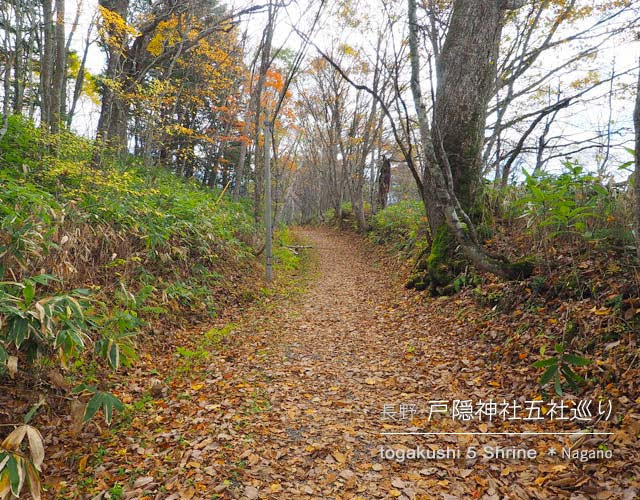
(341, 353)
(290, 404)
(319, 369)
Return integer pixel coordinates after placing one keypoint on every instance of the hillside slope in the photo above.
(90, 258)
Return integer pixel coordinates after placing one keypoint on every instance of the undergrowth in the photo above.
(91, 257)
(576, 226)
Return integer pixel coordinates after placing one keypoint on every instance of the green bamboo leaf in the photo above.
(548, 374)
(558, 386)
(114, 355)
(28, 292)
(572, 377)
(576, 360)
(545, 362)
(92, 407)
(14, 475)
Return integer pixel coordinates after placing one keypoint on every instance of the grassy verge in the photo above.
(90, 258)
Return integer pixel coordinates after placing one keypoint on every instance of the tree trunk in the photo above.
(57, 82)
(427, 185)
(465, 75)
(384, 182)
(77, 90)
(636, 183)
(6, 90)
(242, 157)
(256, 96)
(46, 63)
(112, 113)
(19, 73)
(357, 206)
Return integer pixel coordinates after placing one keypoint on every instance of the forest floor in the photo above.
(294, 401)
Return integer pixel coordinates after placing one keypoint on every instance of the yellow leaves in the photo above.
(90, 89)
(540, 479)
(602, 311)
(166, 34)
(114, 28)
(339, 456)
(613, 267)
(347, 50)
(82, 464)
(275, 488)
(591, 78)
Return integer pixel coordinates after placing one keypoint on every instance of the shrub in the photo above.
(402, 224)
(563, 205)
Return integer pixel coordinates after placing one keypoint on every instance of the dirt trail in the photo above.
(355, 342)
(341, 354)
(291, 406)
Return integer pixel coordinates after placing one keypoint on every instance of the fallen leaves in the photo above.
(290, 406)
(339, 456)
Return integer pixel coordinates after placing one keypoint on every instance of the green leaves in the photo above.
(108, 402)
(576, 360)
(117, 348)
(545, 362)
(560, 365)
(29, 292)
(549, 373)
(4, 357)
(105, 400)
(404, 224)
(39, 324)
(565, 203)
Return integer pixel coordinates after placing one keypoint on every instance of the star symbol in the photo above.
(552, 451)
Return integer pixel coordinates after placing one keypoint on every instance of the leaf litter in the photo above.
(289, 404)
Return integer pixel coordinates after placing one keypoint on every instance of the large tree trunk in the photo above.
(465, 75)
(636, 181)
